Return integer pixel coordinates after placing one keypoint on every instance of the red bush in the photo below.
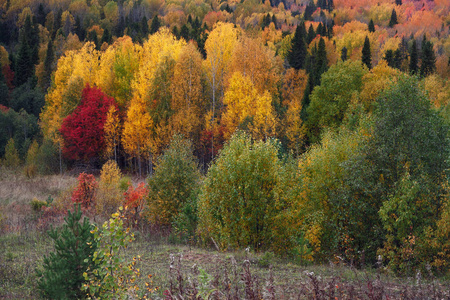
(85, 191)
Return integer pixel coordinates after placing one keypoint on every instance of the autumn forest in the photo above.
(312, 129)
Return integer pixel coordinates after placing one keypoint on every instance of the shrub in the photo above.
(134, 200)
(61, 275)
(37, 204)
(112, 276)
(237, 201)
(84, 193)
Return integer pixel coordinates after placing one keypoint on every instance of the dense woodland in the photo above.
(310, 128)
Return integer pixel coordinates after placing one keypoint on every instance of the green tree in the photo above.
(427, 57)
(297, 55)
(371, 26)
(311, 34)
(154, 27)
(48, 66)
(393, 20)
(61, 275)
(413, 58)
(236, 204)
(175, 180)
(366, 57)
(330, 100)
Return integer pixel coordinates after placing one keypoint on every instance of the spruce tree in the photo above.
(321, 63)
(311, 34)
(414, 58)
(398, 2)
(371, 26)
(144, 27)
(393, 21)
(4, 91)
(154, 27)
(297, 55)
(184, 32)
(428, 58)
(61, 276)
(344, 54)
(366, 54)
(389, 58)
(48, 65)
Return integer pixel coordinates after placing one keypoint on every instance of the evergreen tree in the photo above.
(79, 30)
(154, 27)
(184, 32)
(24, 67)
(371, 26)
(320, 29)
(366, 54)
(144, 27)
(4, 91)
(298, 52)
(120, 27)
(428, 58)
(48, 65)
(311, 34)
(274, 21)
(398, 2)
(389, 58)
(62, 274)
(106, 37)
(321, 62)
(344, 54)
(414, 58)
(330, 5)
(175, 32)
(393, 21)
(309, 10)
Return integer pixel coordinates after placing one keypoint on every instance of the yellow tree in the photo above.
(118, 66)
(294, 85)
(136, 135)
(152, 83)
(253, 59)
(187, 93)
(112, 132)
(247, 109)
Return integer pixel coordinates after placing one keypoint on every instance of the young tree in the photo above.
(83, 131)
(175, 181)
(366, 57)
(61, 275)
(154, 27)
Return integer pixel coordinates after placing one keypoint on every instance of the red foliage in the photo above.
(85, 191)
(134, 197)
(3, 109)
(83, 130)
(134, 200)
(9, 76)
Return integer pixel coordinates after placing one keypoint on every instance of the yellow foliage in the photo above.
(112, 132)
(245, 107)
(109, 196)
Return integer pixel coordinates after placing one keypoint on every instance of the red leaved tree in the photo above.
(83, 130)
(134, 200)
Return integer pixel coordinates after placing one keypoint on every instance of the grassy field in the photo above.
(185, 272)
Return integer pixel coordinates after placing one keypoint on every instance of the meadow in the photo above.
(181, 270)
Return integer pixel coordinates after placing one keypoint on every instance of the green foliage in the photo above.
(393, 20)
(36, 204)
(47, 158)
(11, 159)
(175, 180)
(112, 276)
(236, 204)
(414, 58)
(298, 52)
(61, 275)
(366, 57)
(330, 100)
(427, 57)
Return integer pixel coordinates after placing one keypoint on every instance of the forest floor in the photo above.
(180, 269)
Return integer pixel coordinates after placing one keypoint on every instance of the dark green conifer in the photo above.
(154, 27)
(389, 58)
(398, 2)
(61, 276)
(48, 66)
(184, 32)
(366, 57)
(393, 21)
(414, 58)
(144, 27)
(297, 54)
(311, 34)
(371, 26)
(344, 54)
(427, 57)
